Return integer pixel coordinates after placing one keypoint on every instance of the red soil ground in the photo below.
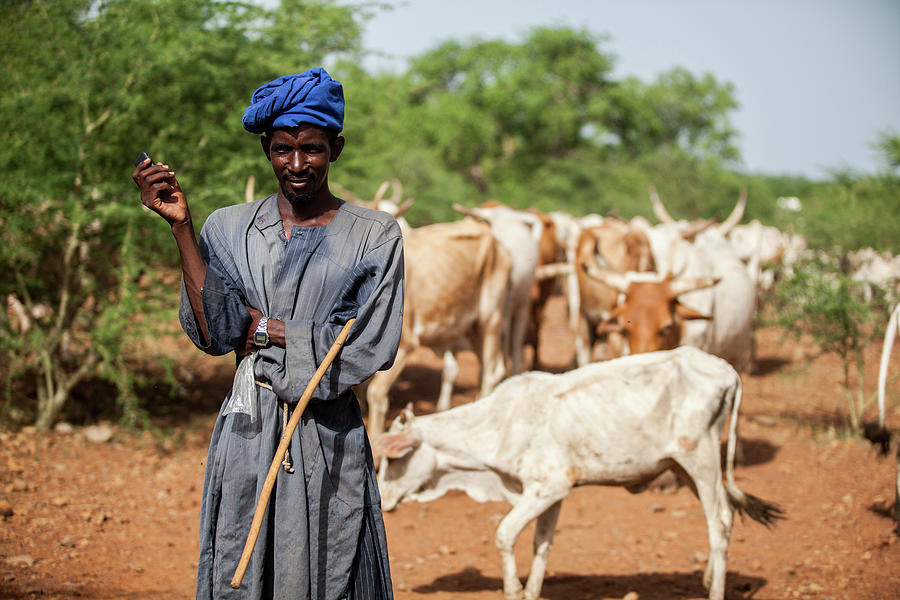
(118, 519)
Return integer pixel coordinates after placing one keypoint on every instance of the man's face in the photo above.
(300, 157)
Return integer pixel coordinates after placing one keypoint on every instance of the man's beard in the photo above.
(302, 198)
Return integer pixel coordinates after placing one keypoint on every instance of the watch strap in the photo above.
(261, 335)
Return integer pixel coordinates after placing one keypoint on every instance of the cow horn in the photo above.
(379, 195)
(348, 195)
(551, 270)
(684, 285)
(696, 228)
(613, 279)
(469, 212)
(658, 209)
(249, 190)
(737, 213)
(398, 191)
(404, 207)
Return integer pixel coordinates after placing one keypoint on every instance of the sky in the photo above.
(816, 80)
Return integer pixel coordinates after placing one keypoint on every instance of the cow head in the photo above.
(650, 316)
(406, 464)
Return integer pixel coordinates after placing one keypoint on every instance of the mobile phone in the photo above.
(141, 158)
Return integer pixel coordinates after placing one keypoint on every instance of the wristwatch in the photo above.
(261, 335)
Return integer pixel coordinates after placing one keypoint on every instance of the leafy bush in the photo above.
(87, 85)
(817, 298)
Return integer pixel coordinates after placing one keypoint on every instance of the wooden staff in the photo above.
(263, 501)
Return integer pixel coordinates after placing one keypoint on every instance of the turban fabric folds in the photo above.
(311, 97)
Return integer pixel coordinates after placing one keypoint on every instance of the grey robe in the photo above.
(315, 282)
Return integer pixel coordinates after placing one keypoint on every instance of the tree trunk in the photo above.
(57, 386)
(49, 406)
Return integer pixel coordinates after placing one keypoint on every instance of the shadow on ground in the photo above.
(756, 451)
(570, 586)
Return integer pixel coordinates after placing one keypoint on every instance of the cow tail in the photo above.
(878, 434)
(745, 504)
(890, 335)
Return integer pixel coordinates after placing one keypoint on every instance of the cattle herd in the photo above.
(663, 318)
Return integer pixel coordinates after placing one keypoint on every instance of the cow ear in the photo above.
(688, 313)
(403, 420)
(395, 445)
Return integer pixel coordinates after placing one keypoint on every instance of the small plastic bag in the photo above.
(243, 390)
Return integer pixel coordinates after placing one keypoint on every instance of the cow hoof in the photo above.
(518, 594)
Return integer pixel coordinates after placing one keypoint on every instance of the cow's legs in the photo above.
(543, 540)
(377, 393)
(583, 339)
(526, 509)
(518, 323)
(703, 467)
(448, 378)
(493, 369)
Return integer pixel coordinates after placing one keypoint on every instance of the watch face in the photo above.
(260, 338)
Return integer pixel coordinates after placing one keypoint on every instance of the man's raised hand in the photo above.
(161, 193)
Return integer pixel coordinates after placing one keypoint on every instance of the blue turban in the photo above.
(311, 97)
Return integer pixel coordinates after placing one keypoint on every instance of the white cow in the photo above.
(763, 247)
(730, 305)
(877, 271)
(619, 422)
(568, 230)
(758, 246)
(520, 233)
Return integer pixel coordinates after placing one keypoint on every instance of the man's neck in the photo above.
(311, 213)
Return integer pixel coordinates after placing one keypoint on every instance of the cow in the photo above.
(717, 319)
(758, 246)
(520, 232)
(618, 247)
(550, 251)
(876, 271)
(377, 399)
(711, 308)
(567, 229)
(619, 422)
(650, 316)
(455, 291)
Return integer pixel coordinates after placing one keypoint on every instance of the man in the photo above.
(274, 281)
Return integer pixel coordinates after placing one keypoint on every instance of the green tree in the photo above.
(888, 143)
(495, 107)
(539, 122)
(88, 84)
(678, 110)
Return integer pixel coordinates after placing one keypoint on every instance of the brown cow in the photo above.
(618, 247)
(650, 316)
